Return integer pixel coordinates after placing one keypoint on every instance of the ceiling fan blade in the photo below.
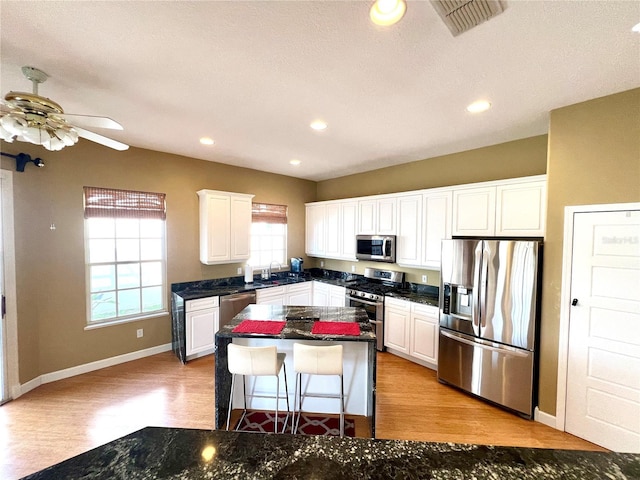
(94, 137)
(91, 121)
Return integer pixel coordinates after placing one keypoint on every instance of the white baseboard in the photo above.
(88, 367)
(544, 418)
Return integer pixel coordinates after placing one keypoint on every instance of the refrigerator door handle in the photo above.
(483, 286)
(478, 343)
(477, 266)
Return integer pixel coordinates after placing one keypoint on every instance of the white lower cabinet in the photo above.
(320, 294)
(270, 296)
(337, 296)
(299, 294)
(424, 332)
(396, 324)
(202, 319)
(411, 329)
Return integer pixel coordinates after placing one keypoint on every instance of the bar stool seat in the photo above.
(316, 360)
(256, 361)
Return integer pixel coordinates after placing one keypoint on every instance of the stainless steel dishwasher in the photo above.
(231, 305)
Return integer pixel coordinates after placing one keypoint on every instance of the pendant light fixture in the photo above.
(387, 12)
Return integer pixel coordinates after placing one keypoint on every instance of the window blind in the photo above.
(269, 213)
(112, 203)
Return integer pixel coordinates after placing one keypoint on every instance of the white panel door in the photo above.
(367, 217)
(521, 209)
(603, 369)
(216, 227)
(240, 227)
(387, 216)
(474, 211)
(348, 229)
(332, 230)
(201, 327)
(436, 226)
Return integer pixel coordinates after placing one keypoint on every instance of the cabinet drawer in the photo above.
(425, 310)
(201, 303)
(396, 304)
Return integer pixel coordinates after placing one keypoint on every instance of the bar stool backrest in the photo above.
(317, 360)
(252, 360)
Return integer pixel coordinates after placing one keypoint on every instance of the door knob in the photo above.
(574, 302)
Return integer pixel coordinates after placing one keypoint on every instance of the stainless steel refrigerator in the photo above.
(489, 317)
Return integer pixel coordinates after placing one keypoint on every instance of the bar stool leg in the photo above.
(286, 392)
(341, 406)
(233, 380)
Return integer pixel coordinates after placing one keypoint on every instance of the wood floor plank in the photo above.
(65, 418)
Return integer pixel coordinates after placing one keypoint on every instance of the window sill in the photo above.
(120, 321)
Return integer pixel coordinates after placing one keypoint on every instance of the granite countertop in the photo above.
(175, 453)
(300, 321)
(415, 297)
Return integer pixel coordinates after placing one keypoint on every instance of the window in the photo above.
(125, 254)
(268, 234)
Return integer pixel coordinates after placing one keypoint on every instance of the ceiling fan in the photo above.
(29, 117)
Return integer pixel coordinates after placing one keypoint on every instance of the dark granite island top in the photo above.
(299, 322)
(174, 453)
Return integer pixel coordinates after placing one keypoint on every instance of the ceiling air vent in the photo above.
(462, 15)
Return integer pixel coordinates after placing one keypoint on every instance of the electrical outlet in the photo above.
(424, 279)
(239, 271)
(353, 268)
(139, 333)
(321, 263)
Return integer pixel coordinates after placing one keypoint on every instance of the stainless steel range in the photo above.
(370, 295)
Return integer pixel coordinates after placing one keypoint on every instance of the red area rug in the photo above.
(309, 424)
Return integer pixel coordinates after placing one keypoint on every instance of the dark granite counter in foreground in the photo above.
(173, 453)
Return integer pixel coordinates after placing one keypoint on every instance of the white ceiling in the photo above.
(253, 75)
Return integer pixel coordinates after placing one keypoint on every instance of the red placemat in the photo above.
(267, 327)
(336, 328)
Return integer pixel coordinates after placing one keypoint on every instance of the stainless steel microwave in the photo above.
(377, 248)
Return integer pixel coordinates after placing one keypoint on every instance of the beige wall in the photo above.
(50, 264)
(594, 158)
(520, 158)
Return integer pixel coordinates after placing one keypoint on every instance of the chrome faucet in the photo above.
(279, 267)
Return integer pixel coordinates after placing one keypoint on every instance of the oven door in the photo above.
(375, 312)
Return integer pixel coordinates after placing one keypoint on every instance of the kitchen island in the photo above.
(359, 357)
(172, 453)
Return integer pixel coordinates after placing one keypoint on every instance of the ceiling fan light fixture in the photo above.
(387, 12)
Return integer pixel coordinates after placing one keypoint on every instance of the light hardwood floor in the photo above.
(59, 420)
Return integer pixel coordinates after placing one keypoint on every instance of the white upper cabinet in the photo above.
(521, 209)
(423, 222)
(409, 236)
(436, 225)
(508, 208)
(474, 211)
(330, 229)
(225, 226)
(377, 216)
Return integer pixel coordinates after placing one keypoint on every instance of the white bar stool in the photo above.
(256, 361)
(316, 360)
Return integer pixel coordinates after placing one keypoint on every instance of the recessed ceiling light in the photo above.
(636, 28)
(318, 125)
(387, 12)
(206, 141)
(295, 162)
(479, 106)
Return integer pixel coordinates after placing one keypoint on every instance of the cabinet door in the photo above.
(240, 228)
(424, 338)
(409, 246)
(348, 230)
(315, 229)
(474, 211)
(201, 327)
(521, 209)
(302, 299)
(214, 228)
(320, 294)
(387, 216)
(367, 217)
(436, 226)
(332, 230)
(396, 329)
(270, 296)
(337, 296)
